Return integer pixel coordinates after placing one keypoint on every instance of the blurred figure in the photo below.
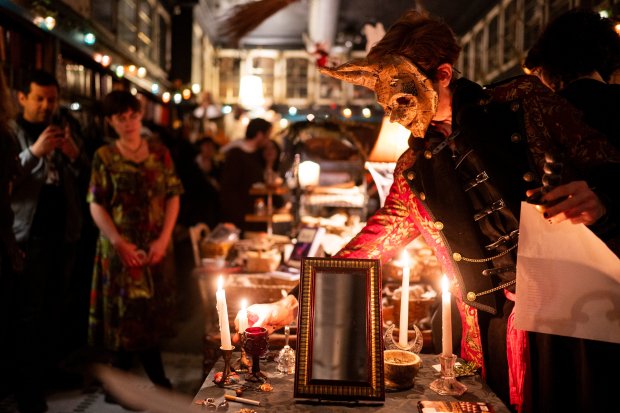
(576, 56)
(243, 167)
(47, 226)
(134, 200)
(208, 161)
(271, 158)
(11, 260)
(273, 178)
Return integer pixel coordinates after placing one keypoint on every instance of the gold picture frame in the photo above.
(339, 333)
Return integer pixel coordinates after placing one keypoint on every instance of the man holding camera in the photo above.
(48, 219)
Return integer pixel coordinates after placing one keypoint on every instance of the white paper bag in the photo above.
(568, 281)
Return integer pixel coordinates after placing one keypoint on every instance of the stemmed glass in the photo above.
(256, 345)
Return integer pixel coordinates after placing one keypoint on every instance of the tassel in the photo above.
(246, 17)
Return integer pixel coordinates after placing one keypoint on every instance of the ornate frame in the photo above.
(372, 389)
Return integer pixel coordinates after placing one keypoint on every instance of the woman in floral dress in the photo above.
(134, 200)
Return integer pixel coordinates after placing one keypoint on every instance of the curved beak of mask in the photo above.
(403, 91)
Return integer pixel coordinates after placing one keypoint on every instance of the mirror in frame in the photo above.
(339, 340)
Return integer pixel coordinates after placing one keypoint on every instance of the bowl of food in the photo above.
(400, 368)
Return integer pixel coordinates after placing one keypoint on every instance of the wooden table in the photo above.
(281, 399)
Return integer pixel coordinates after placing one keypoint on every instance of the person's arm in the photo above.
(31, 157)
(157, 249)
(393, 226)
(272, 316)
(126, 249)
(594, 163)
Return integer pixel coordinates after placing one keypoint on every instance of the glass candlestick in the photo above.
(256, 345)
(286, 357)
(447, 384)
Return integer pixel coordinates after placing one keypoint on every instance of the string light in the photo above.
(89, 39)
(165, 97)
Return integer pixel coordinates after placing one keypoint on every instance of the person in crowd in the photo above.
(243, 167)
(47, 226)
(473, 154)
(11, 259)
(208, 161)
(575, 56)
(271, 157)
(134, 201)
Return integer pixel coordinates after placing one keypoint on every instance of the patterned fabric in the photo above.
(134, 195)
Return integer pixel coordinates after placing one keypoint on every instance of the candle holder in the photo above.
(447, 384)
(226, 376)
(414, 346)
(244, 362)
(256, 344)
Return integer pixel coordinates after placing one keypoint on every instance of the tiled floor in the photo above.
(183, 369)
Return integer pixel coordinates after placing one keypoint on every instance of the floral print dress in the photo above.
(132, 309)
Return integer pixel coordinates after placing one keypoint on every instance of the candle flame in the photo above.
(220, 283)
(445, 284)
(244, 304)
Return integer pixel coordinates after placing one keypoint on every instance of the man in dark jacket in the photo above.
(46, 204)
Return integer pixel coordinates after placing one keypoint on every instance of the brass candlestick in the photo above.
(244, 362)
(447, 384)
(226, 372)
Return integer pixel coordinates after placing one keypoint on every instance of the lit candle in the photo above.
(243, 316)
(446, 318)
(222, 312)
(404, 302)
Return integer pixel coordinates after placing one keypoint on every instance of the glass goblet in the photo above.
(256, 345)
